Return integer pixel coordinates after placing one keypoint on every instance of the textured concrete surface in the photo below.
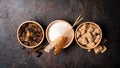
(104, 12)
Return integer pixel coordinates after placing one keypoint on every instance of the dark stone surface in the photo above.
(105, 13)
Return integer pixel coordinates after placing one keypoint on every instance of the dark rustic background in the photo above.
(105, 13)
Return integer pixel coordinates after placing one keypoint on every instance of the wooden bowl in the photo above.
(92, 23)
(28, 22)
(63, 24)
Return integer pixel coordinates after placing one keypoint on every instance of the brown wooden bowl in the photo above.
(96, 43)
(70, 35)
(33, 46)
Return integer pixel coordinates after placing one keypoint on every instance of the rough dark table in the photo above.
(105, 13)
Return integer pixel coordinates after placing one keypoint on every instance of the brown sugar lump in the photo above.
(90, 45)
(93, 34)
(78, 34)
(98, 49)
(90, 29)
(88, 35)
(104, 49)
(97, 31)
(91, 40)
(83, 41)
(82, 32)
(97, 38)
(83, 27)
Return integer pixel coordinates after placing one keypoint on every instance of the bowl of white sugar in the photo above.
(58, 28)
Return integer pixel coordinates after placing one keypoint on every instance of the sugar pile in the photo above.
(57, 29)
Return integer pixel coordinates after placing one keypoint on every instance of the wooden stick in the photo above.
(76, 22)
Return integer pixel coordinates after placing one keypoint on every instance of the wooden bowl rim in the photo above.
(19, 29)
(56, 21)
(89, 23)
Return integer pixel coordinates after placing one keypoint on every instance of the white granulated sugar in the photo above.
(57, 29)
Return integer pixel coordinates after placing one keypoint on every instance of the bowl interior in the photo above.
(92, 23)
(22, 33)
(53, 32)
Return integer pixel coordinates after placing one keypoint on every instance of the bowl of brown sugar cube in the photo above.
(88, 35)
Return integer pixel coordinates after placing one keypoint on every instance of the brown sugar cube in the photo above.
(83, 41)
(80, 29)
(97, 31)
(82, 32)
(83, 27)
(104, 49)
(93, 34)
(98, 49)
(97, 39)
(93, 26)
(78, 34)
(88, 35)
(89, 50)
(91, 45)
(80, 39)
(90, 29)
(90, 39)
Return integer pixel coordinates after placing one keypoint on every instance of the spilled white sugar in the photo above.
(57, 29)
